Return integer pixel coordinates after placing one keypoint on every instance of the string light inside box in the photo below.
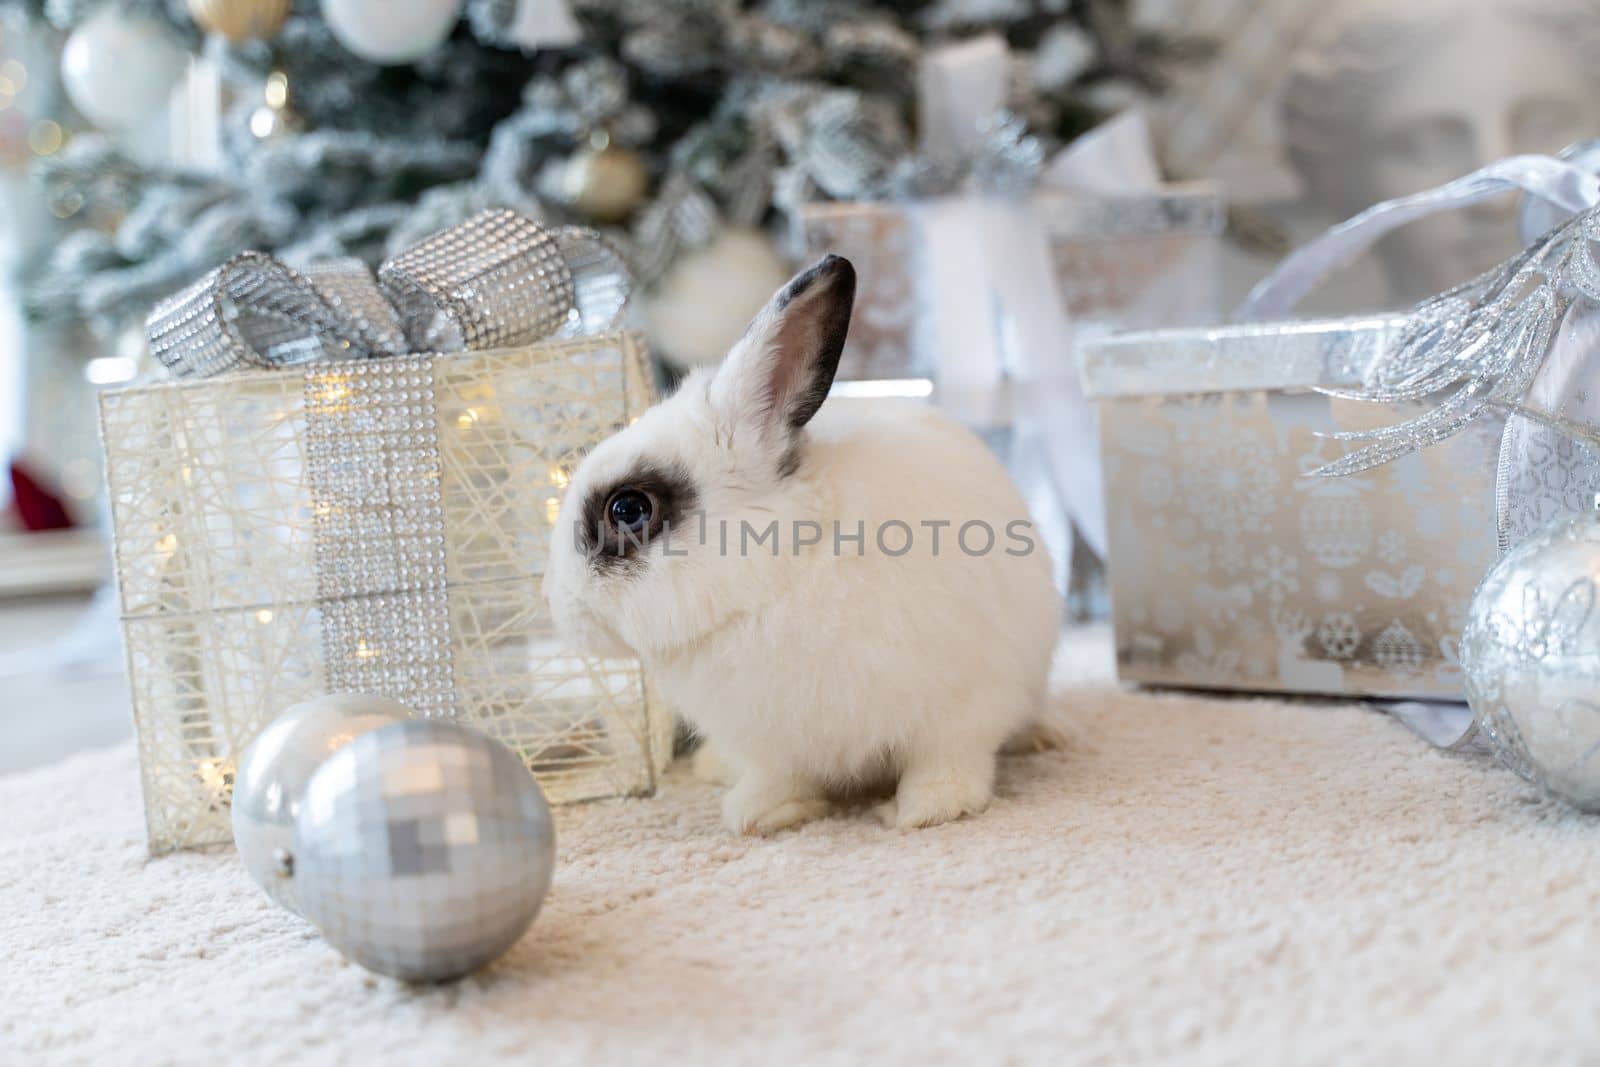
(217, 776)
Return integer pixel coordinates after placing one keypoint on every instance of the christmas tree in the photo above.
(358, 126)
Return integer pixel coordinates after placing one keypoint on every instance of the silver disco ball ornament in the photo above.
(272, 777)
(1531, 653)
(423, 850)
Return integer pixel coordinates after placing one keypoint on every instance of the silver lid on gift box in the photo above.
(1322, 354)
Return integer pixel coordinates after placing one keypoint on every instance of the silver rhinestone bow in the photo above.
(497, 280)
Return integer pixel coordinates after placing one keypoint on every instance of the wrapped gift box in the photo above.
(1230, 566)
(1139, 261)
(973, 302)
(878, 240)
(375, 526)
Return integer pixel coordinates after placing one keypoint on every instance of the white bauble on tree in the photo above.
(119, 70)
(391, 31)
(696, 313)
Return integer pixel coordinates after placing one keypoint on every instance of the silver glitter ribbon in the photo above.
(497, 280)
(1475, 348)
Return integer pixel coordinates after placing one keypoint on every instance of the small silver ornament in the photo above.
(423, 850)
(1531, 655)
(272, 777)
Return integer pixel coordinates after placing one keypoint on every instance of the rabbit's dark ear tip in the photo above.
(832, 271)
(835, 268)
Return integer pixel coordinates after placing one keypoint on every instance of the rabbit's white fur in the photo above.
(818, 671)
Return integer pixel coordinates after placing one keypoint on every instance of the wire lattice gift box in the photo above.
(372, 527)
(311, 509)
(1230, 568)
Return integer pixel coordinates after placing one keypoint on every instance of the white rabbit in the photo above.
(837, 601)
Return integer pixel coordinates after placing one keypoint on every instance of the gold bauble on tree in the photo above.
(605, 181)
(240, 20)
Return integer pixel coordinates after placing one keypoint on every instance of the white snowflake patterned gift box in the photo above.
(974, 303)
(1309, 506)
(1129, 262)
(371, 524)
(958, 254)
(1232, 569)
(973, 297)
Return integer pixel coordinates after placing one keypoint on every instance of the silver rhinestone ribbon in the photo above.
(373, 468)
(497, 280)
(601, 284)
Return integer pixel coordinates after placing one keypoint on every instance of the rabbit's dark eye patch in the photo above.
(622, 518)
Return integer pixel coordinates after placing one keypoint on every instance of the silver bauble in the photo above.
(1531, 655)
(423, 850)
(273, 772)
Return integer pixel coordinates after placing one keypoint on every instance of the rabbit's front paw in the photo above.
(764, 805)
(931, 803)
(938, 792)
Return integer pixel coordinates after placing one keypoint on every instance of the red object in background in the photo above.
(37, 507)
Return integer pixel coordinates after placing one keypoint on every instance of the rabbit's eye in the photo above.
(630, 510)
(623, 519)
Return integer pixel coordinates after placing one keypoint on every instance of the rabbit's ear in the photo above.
(779, 373)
